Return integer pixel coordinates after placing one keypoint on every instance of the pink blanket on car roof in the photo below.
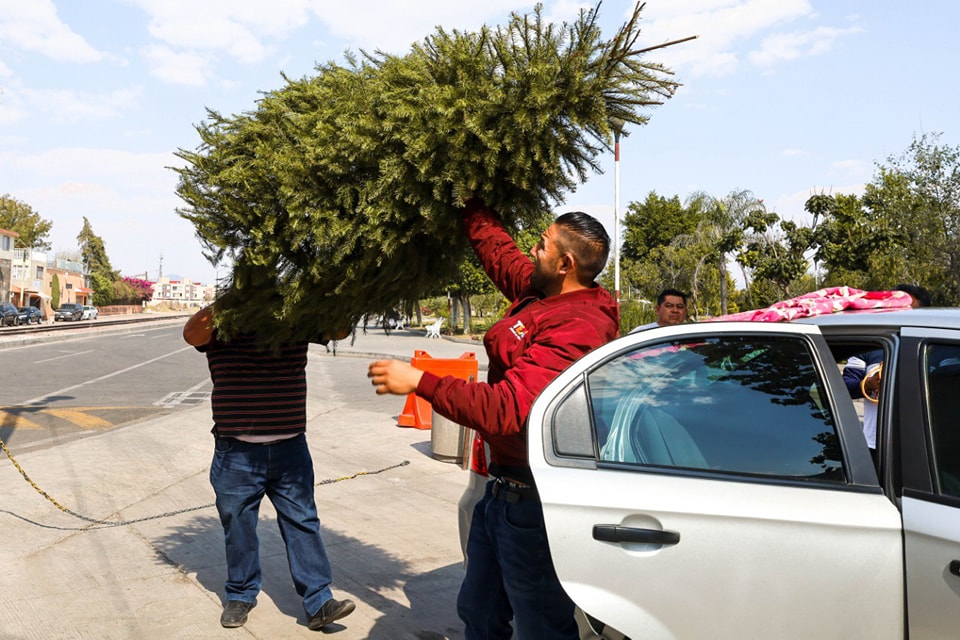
(821, 301)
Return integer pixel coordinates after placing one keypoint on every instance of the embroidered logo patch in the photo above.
(519, 330)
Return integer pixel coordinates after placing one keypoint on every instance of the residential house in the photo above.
(7, 244)
(29, 278)
(73, 281)
(23, 274)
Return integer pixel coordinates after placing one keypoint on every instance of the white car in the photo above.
(476, 463)
(712, 480)
(90, 312)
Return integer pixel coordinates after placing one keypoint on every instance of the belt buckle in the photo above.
(505, 490)
(513, 484)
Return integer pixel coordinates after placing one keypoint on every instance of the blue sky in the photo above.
(785, 98)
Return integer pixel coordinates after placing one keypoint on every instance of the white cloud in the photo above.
(11, 106)
(67, 105)
(393, 25)
(179, 67)
(18, 103)
(86, 165)
(33, 25)
(726, 29)
(128, 197)
(857, 169)
(790, 46)
(237, 29)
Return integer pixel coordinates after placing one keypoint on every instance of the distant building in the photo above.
(30, 284)
(7, 244)
(181, 294)
(25, 276)
(74, 282)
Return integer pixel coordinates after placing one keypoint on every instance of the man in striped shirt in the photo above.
(259, 426)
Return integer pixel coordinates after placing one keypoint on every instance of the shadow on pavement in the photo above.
(360, 571)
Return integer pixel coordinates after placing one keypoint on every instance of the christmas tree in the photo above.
(339, 194)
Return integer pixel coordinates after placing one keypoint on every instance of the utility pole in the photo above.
(617, 125)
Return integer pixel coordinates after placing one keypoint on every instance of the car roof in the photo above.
(929, 317)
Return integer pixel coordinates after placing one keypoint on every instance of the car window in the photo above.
(942, 369)
(738, 404)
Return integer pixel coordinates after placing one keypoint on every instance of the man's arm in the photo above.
(853, 373)
(504, 263)
(502, 408)
(198, 331)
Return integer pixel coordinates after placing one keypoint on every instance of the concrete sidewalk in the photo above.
(155, 568)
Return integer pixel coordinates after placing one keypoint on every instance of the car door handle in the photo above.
(955, 567)
(618, 533)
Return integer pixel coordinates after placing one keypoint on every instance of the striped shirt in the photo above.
(256, 391)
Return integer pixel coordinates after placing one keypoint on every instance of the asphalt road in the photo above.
(388, 508)
(91, 381)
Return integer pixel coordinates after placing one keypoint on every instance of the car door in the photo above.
(929, 424)
(712, 481)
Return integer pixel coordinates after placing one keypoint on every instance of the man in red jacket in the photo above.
(557, 314)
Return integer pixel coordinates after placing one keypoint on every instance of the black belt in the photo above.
(511, 491)
(268, 443)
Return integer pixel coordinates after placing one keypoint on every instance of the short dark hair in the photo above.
(671, 292)
(918, 293)
(587, 240)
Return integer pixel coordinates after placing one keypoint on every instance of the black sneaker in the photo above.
(235, 613)
(331, 610)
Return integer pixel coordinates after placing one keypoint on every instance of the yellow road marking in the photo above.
(80, 418)
(16, 421)
(19, 417)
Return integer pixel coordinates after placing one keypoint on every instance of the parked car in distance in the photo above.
(90, 312)
(30, 315)
(68, 311)
(9, 316)
(724, 464)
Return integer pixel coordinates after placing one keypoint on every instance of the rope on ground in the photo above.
(104, 524)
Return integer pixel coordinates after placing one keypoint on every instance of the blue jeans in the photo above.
(510, 575)
(241, 474)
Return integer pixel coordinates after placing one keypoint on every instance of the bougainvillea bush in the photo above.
(339, 194)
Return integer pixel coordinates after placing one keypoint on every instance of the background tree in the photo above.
(652, 257)
(16, 215)
(722, 226)
(93, 251)
(653, 223)
(55, 291)
(774, 255)
(903, 229)
(920, 189)
(97, 263)
(131, 291)
(142, 288)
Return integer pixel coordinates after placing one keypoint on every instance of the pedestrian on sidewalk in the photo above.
(259, 428)
(557, 314)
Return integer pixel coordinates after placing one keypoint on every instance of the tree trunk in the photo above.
(467, 315)
(723, 284)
